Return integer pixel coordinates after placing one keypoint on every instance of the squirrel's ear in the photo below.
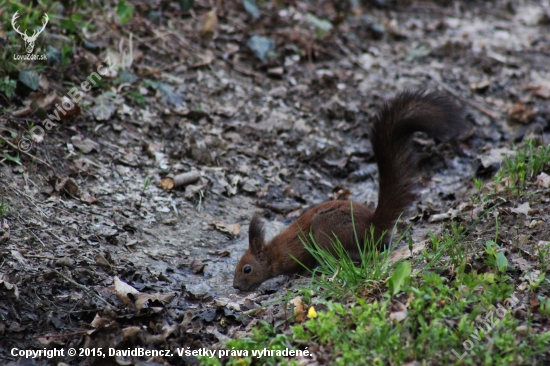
(256, 240)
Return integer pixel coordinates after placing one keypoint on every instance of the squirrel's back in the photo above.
(391, 137)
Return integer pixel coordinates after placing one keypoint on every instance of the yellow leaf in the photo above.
(209, 26)
(311, 313)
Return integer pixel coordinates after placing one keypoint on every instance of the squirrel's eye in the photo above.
(247, 269)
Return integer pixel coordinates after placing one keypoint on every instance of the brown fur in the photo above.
(409, 112)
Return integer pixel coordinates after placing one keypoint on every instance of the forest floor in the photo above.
(266, 106)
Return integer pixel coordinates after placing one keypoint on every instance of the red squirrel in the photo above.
(391, 135)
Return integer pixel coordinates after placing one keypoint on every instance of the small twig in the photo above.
(175, 207)
(242, 70)
(154, 71)
(201, 195)
(148, 44)
(308, 43)
(250, 153)
(63, 335)
(156, 36)
(83, 311)
(482, 109)
(28, 199)
(55, 236)
(240, 106)
(97, 165)
(40, 240)
(26, 153)
(220, 7)
(82, 287)
(173, 65)
(351, 56)
(38, 256)
(131, 130)
(310, 56)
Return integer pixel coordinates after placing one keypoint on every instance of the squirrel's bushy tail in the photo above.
(391, 135)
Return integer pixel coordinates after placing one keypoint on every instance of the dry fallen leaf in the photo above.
(541, 88)
(279, 207)
(130, 332)
(142, 300)
(67, 185)
(205, 58)
(138, 299)
(101, 261)
(231, 229)
(220, 253)
(193, 189)
(343, 194)
(523, 264)
(543, 180)
(299, 309)
(197, 266)
(85, 145)
(482, 85)
(439, 217)
(36, 101)
(521, 113)
(10, 288)
(41, 100)
(96, 322)
(295, 213)
(4, 231)
(495, 157)
(401, 314)
(209, 26)
(88, 198)
(104, 108)
(122, 290)
(524, 208)
(404, 252)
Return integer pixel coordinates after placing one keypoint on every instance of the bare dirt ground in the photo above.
(86, 211)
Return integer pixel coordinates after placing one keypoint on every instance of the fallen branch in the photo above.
(26, 153)
(62, 335)
(482, 109)
(82, 287)
(180, 180)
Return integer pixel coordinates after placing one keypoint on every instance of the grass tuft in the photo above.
(338, 274)
(3, 208)
(526, 164)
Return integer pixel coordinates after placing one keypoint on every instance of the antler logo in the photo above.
(29, 40)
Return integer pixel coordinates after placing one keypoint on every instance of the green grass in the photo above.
(3, 208)
(515, 173)
(543, 255)
(7, 86)
(339, 275)
(526, 164)
(440, 317)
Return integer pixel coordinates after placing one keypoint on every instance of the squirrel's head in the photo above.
(253, 268)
